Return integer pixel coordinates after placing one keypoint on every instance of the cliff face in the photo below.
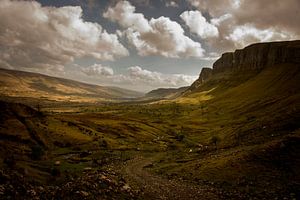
(254, 57)
(205, 74)
(258, 56)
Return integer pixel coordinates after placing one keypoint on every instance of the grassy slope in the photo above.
(255, 116)
(33, 85)
(257, 123)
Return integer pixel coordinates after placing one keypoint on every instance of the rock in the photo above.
(258, 56)
(2, 190)
(126, 187)
(252, 58)
(205, 74)
(87, 169)
(84, 193)
(57, 163)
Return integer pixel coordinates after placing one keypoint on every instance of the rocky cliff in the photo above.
(253, 57)
(205, 74)
(258, 56)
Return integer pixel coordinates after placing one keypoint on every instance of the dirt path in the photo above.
(156, 187)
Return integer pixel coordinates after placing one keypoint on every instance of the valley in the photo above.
(233, 134)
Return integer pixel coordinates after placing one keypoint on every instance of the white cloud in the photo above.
(242, 22)
(247, 34)
(33, 36)
(219, 20)
(157, 79)
(160, 36)
(98, 70)
(124, 13)
(171, 4)
(199, 25)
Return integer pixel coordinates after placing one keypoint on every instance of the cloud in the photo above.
(153, 78)
(124, 13)
(135, 77)
(157, 36)
(215, 7)
(172, 4)
(199, 25)
(98, 70)
(242, 22)
(32, 36)
(246, 34)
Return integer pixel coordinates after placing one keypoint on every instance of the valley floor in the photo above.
(124, 151)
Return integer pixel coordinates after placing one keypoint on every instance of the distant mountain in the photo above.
(37, 86)
(165, 93)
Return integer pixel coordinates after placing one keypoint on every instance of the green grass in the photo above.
(252, 115)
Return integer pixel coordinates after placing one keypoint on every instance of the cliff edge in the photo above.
(254, 57)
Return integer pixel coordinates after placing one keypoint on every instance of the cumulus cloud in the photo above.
(32, 36)
(199, 25)
(153, 78)
(124, 13)
(246, 34)
(157, 36)
(215, 7)
(135, 77)
(98, 70)
(242, 22)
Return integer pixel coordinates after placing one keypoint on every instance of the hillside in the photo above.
(233, 134)
(248, 104)
(37, 86)
(248, 62)
(165, 93)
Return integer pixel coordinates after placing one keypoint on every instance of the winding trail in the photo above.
(156, 187)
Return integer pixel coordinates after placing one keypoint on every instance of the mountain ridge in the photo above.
(29, 84)
(252, 58)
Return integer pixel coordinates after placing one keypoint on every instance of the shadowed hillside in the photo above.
(165, 93)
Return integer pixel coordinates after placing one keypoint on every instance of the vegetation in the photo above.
(252, 120)
(37, 152)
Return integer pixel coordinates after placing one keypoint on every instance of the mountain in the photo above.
(248, 104)
(235, 130)
(250, 61)
(165, 93)
(37, 86)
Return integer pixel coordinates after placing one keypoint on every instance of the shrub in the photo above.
(37, 152)
(103, 143)
(10, 161)
(180, 137)
(55, 172)
(215, 140)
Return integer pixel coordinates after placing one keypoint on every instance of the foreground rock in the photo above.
(91, 185)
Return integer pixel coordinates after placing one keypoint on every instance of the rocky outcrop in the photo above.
(205, 74)
(258, 56)
(254, 57)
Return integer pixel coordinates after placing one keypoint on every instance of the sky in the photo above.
(136, 44)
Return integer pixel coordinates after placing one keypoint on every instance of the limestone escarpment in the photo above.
(258, 56)
(252, 58)
(205, 74)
